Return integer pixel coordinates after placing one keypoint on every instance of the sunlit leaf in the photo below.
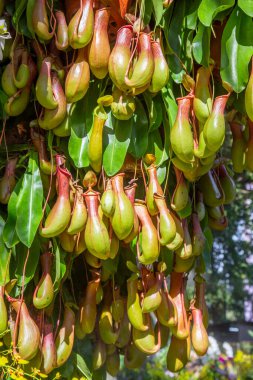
(246, 6)
(29, 202)
(208, 9)
(237, 49)
(116, 139)
(201, 45)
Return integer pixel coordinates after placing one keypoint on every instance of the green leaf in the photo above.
(20, 6)
(146, 11)
(158, 9)
(192, 14)
(166, 133)
(209, 239)
(246, 6)
(154, 110)
(208, 9)
(167, 257)
(237, 101)
(187, 211)
(170, 104)
(161, 172)
(22, 27)
(3, 100)
(116, 140)
(59, 268)
(9, 233)
(139, 136)
(78, 141)
(179, 39)
(29, 21)
(32, 261)
(29, 202)
(81, 119)
(111, 265)
(3, 97)
(5, 256)
(160, 147)
(236, 49)
(201, 45)
(82, 366)
(156, 147)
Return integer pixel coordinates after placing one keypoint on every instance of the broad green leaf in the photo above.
(236, 49)
(3, 100)
(151, 108)
(192, 14)
(170, 105)
(187, 211)
(111, 265)
(246, 6)
(201, 45)
(209, 239)
(9, 233)
(29, 20)
(161, 172)
(167, 257)
(156, 147)
(59, 268)
(208, 9)
(29, 202)
(20, 6)
(238, 102)
(158, 104)
(5, 256)
(160, 147)
(207, 260)
(82, 366)
(154, 110)
(78, 141)
(22, 27)
(139, 136)
(116, 139)
(32, 261)
(3, 97)
(81, 119)
(166, 133)
(179, 40)
(146, 11)
(158, 9)
(84, 348)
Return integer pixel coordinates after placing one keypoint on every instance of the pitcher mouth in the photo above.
(152, 166)
(189, 96)
(139, 202)
(90, 192)
(226, 96)
(130, 27)
(159, 196)
(103, 9)
(130, 186)
(119, 174)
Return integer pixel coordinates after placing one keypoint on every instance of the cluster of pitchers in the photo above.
(140, 306)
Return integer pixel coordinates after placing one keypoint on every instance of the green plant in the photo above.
(138, 91)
